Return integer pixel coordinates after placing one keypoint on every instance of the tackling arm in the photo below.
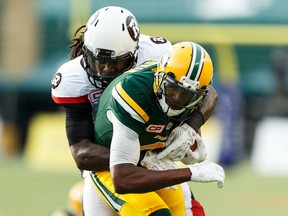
(79, 129)
(209, 103)
(205, 110)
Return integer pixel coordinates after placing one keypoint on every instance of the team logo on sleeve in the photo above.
(56, 80)
(158, 40)
(155, 128)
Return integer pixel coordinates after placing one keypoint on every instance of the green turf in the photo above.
(27, 192)
(24, 191)
(244, 193)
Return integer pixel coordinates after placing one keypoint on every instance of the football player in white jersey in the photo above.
(109, 44)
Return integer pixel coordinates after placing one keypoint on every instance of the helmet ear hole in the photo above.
(204, 87)
(171, 74)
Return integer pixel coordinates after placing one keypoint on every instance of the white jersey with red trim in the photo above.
(70, 84)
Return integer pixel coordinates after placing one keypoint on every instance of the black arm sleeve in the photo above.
(196, 120)
(79, 122)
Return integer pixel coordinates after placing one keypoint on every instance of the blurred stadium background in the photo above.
(248, 43)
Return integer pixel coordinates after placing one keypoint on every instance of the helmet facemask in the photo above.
(177, 97)
(103, 66)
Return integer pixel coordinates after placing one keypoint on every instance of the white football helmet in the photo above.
(110, 42)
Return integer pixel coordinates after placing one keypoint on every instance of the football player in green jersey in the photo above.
(135, 116)
(110, 40)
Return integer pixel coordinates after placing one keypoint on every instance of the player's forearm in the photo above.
(80, 133)
(209, 103)
(128, 178)
(90, 156)
(204, 111)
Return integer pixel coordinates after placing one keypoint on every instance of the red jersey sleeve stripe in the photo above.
(70, 100)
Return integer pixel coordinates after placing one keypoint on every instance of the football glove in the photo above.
(208, 172)
(178, 143)
(196, 156)
(151, 162)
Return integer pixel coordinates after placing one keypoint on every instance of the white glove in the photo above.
(196, 156)
(178, 143)
(151, 162)
(208, 172)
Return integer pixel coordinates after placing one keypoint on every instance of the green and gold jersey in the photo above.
(132, 100)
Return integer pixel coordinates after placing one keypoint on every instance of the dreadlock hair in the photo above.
(77, 44)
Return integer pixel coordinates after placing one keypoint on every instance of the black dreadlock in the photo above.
(77, 44)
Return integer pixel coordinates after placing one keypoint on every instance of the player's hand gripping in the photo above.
(198, 155)
(151, 162)
(178, 143)
(208, 172)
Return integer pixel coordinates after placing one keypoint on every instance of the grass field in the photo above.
(25, 191)
(29, 192)
(245, 193)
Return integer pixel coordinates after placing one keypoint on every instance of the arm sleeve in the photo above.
(125, 146)
(196, 120)
(79, 122)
